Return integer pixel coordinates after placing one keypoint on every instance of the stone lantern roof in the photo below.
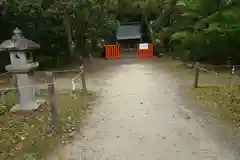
(18, 43)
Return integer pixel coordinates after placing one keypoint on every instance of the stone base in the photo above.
(28, 107)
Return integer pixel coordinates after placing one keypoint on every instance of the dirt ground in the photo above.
(141, 114)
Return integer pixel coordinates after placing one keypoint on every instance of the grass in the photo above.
(7, 100)
(29, 135)
(221, 98)
(223, 102)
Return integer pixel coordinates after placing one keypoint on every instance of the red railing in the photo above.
(112, 51)
(147, 51)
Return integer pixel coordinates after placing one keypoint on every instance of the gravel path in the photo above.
(140, 115)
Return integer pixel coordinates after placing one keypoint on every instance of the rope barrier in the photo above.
(220, 66)
(204, 69)
(3, 74)
(21, 87)
(216, 73)
(60, 71)
(53, 71)
(232, 79)
(77, 76)
(80, 69)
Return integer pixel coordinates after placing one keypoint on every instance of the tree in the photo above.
(201, 29)
(55, 25)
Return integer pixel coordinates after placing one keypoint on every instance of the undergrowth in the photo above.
(29, 135)
(224, 100)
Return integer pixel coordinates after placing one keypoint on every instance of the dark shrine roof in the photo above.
(128, 31)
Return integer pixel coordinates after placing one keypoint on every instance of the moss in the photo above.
(8, 100)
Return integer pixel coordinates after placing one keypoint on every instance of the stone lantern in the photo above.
(20, 66)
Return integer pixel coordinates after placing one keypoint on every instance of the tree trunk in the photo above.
(68, 30)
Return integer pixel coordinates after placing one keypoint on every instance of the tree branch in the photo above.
(168, 12)
(4, 10)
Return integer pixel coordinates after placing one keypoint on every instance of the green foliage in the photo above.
(67, 28)
(206, 30)
(8, 100)
(87, 20)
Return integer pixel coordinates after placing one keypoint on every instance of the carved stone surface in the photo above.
(18, 43)
(20, 65)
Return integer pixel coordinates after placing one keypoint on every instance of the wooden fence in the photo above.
(112, 51)
(230, 77)
(146, 52)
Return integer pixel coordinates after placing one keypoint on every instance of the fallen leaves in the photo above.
(28, 135)
(224, 100)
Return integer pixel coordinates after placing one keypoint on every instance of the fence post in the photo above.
(90, 57)
(81, 60)
(83, 80)
(228, 62)
(196, 75)
(52, 98)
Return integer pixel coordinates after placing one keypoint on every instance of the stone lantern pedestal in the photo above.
(20, 66)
